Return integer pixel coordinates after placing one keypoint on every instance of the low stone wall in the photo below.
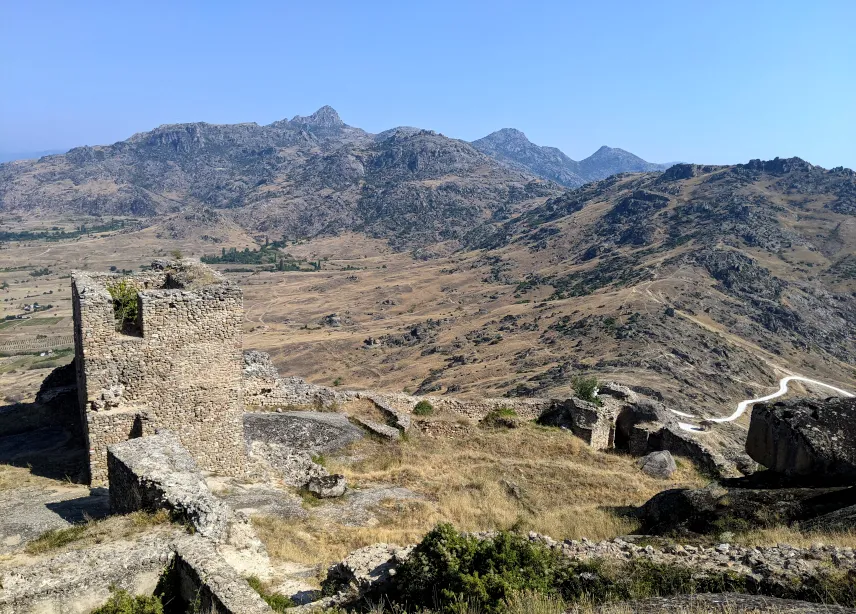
(156, 472)
(263, 387)
(106, 428)
(205, 580)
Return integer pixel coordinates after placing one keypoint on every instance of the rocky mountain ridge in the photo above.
(511, 147)
(308, 176)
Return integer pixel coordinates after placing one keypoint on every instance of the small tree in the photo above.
(176, 254)
(586, 388)
(125, 306)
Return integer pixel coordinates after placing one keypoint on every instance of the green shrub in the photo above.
(122, 602)
(125, 304)
(277, 601)
(423, 408)
(452, 572)
(447, 569)
(585, 388)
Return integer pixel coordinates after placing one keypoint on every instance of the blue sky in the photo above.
(713, 81)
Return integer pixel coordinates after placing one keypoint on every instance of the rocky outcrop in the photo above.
(805, 437)
(301, 431)
(738, 506)
(287, 441)
(156, 472)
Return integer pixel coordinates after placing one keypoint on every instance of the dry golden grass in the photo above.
(530, 478)
(795, 537)
(19, 477)
(97, 531)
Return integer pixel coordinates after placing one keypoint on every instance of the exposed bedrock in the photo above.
(806, 437)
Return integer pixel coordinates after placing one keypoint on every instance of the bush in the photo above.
(585, 388)
(122, 602)
(277, 601)
(423, 408)
(448, 569)
(125, 306)
(452, 572)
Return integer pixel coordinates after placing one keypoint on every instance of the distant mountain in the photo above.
(511, 147)
(28, 155)
(608, 161)
(308, 176)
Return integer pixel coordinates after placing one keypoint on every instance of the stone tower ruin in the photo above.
(174, 364)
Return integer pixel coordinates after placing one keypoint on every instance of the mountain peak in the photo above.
(325, 117)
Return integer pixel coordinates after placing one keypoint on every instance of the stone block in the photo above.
(156, 472)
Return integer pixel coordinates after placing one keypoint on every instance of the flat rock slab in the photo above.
(156, 472)
(80, 580)
(357, 507)
(28, 512)
(313, 432)
(383, 430)
(263, 500)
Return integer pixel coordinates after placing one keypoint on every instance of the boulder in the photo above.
(368, 571)
(658, 464)
(717, 508)
(327, 486)
(843, 519)
(806, 437)
(156, 472)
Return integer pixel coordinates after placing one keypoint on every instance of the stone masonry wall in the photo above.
(183, 370)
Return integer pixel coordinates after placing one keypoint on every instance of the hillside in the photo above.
(511, 147)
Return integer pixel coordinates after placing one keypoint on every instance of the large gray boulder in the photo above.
(806, 437)
(658, 464)
(156, 472)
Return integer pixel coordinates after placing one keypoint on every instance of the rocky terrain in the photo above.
(514, 149)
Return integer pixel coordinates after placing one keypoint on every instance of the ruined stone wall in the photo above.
(181, 370)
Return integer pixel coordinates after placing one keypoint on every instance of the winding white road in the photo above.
(743, 405)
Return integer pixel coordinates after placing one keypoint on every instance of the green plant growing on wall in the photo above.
(586, 388)
(125, 306)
